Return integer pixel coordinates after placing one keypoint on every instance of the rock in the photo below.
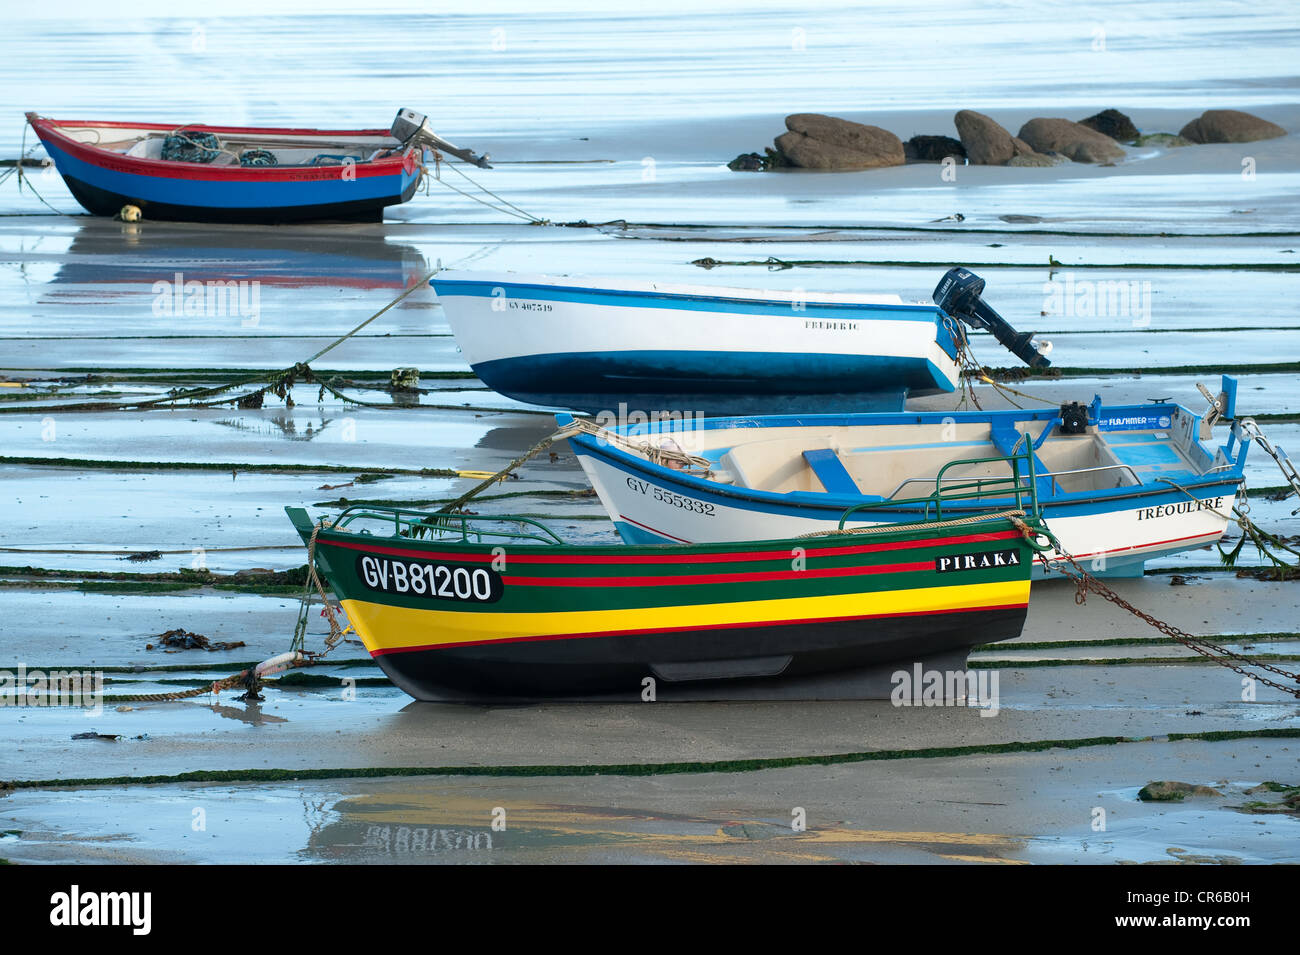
(1229, 126)
(747, 162)
(1168, 140)
(815, 141)
(1112, 123)
(1033, 159)
(1070, 139)
(933, 149)
(986, 143)
(1173, 791)
(1025, 156)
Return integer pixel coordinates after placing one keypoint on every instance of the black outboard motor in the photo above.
(958, 294)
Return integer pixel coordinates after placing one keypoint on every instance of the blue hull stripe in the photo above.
(1142, 417)
(709, 372)
(629, 298)
(822, 506)
(230, 195)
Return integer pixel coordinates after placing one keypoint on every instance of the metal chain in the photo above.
(1085, 582)
(1241, 517)
(1280, 457)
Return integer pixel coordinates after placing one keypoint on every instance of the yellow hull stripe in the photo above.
(385, 628)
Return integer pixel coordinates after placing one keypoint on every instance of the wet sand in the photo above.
(1091, 695)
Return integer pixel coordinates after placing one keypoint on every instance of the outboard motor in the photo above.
(958, 294)
(412, 129)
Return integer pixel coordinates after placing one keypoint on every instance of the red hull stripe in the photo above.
(718, 578)
(162, 169)
(656, 559)
(651, 631)
(1209, 538)
(652, 530)
(202, 127)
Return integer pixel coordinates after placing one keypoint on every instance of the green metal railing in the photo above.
(1021, 484)
(467, 528)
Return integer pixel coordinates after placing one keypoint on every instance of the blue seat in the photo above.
(1004, 438)
(830, 470)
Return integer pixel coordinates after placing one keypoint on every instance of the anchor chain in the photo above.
(1085, 583)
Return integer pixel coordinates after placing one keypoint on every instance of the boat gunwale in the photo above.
(829, 543)
(678, 290)
(805, 501)
(101, 158)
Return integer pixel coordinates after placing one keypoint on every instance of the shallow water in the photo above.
(597, 114)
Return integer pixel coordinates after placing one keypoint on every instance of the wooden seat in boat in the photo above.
(830, 470)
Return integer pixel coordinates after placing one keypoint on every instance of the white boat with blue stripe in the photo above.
(1118, 485)
(593, 344)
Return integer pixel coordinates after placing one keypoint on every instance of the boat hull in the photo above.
(1113, 531)
(559, 622)
(560, 342)
(103, 182)
(739, 662)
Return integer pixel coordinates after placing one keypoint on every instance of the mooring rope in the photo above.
(252, 678)
(282, 379)
(1251, 531)
(892, 528)
(510, 210)
(656, 455)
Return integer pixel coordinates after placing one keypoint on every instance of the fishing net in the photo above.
(257, 157)
(191, 147)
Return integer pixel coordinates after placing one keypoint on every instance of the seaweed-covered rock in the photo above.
(1112, 123)
(986, 143)
(1168, 140)
(747, 162)
(933, 149)
(815, 141)
(1230, 126)
(1070, 139)
(1173, 791)
(1035, 159)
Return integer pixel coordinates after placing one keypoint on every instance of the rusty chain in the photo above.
(1085, 582)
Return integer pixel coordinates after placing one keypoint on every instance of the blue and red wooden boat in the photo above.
(204, 173)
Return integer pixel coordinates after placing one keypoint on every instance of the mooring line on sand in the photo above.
(263, 468)
(754, 764)
(129, 553)
(774, 264)
(922, 229)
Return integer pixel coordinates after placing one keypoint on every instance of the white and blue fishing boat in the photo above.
(1118, 485)
(594, 344)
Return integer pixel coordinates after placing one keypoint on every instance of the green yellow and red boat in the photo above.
(456, 606)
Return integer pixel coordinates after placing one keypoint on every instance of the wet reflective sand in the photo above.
(625, 120)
